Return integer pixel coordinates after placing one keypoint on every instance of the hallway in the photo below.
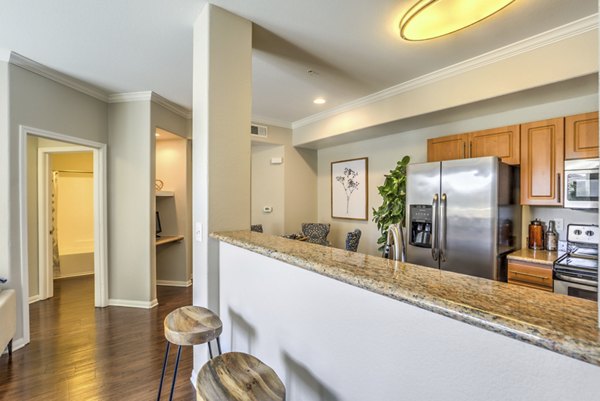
(78, 352)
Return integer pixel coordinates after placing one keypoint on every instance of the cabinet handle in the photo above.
(531, 275)
(558, 192)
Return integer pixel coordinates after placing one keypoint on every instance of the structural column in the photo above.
(221, 151)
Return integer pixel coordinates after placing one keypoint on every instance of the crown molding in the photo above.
(153, 97)
(172, 106)
(59, 77)
(262, 120)
(563, 32)
(129, 97)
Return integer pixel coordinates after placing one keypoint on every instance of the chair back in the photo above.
(316, 232)
(256, 228)
(352, 239)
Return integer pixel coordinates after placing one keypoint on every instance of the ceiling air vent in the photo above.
(258, 130)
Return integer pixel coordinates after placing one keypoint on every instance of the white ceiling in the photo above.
(142, 45)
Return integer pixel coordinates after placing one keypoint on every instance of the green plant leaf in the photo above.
(393, 194)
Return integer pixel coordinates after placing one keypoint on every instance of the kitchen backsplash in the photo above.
(569, 216)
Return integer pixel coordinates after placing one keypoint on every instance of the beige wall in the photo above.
(222, 107)
(130, 204)
(300, 179)
(384, 152)
(268, 188)
(75, 203)
(40, 103)
(173, 261)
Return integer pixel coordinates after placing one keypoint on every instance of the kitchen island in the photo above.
(353, 326)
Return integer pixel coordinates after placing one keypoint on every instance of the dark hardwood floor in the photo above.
(78, 352)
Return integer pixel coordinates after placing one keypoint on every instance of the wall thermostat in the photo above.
(276, 160)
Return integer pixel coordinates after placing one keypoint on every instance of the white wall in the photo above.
(384, 152)
(37, 102)
(268, 188)
(331, 341)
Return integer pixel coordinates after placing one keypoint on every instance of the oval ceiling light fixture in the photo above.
(319, 100)
(429, 19)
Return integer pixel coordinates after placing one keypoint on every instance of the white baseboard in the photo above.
(34, 299)
(133, 304)
(171, 283)
(18, 343)
(73, 275)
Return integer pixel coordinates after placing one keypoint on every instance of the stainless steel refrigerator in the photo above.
(462, 215)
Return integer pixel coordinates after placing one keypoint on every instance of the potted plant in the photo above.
(393, 193)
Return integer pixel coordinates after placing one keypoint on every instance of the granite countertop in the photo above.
(562, 324)
(534, 256)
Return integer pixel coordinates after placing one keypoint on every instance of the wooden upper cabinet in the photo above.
(449, 147)
(502, 142)
(581, 136)
(542, 162)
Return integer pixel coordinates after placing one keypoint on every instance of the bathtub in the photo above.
(8, 319)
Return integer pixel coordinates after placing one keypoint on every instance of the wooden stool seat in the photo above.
(192, 325)
(235, 376)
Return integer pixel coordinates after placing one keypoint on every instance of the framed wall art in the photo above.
(349, 189)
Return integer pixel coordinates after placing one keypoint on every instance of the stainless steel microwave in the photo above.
(581, 183)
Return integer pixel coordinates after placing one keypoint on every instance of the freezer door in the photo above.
(468, 216)
(422, 186)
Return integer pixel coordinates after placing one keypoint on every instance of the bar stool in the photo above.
(235, 376)
(189, 325)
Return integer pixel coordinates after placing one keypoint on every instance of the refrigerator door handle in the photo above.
(434, 229)
(442, 240)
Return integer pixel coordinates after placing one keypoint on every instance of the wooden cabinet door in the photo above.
(542, 162)
(581, 136)
(449, 147)
(502, 142)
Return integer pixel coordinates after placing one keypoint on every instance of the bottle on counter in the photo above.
(536, 235)
(551, 237)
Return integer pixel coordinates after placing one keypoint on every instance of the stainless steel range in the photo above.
(576, 272)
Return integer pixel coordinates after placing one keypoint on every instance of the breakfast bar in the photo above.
(361, 327)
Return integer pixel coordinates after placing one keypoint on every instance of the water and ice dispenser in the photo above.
(420, 225)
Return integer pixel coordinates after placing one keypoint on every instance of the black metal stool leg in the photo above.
(162, 376)
(219, 346)
(175, 373)
(209, 350)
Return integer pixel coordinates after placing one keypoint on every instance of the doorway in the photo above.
(65, 178)
(37, 148)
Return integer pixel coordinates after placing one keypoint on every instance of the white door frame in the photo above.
(100, 216)
(46, 274)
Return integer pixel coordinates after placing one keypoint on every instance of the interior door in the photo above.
(468, 215)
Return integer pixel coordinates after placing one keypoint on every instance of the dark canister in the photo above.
(536, 235)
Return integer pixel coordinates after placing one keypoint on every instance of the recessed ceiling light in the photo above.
(429, 19)
(157, 134)
(319, 100)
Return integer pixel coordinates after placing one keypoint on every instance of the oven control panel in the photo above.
(583, 233)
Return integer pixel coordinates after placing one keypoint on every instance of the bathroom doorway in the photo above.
(66, 213)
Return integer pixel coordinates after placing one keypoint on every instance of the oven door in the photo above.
(575, 289)
(581, 188)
